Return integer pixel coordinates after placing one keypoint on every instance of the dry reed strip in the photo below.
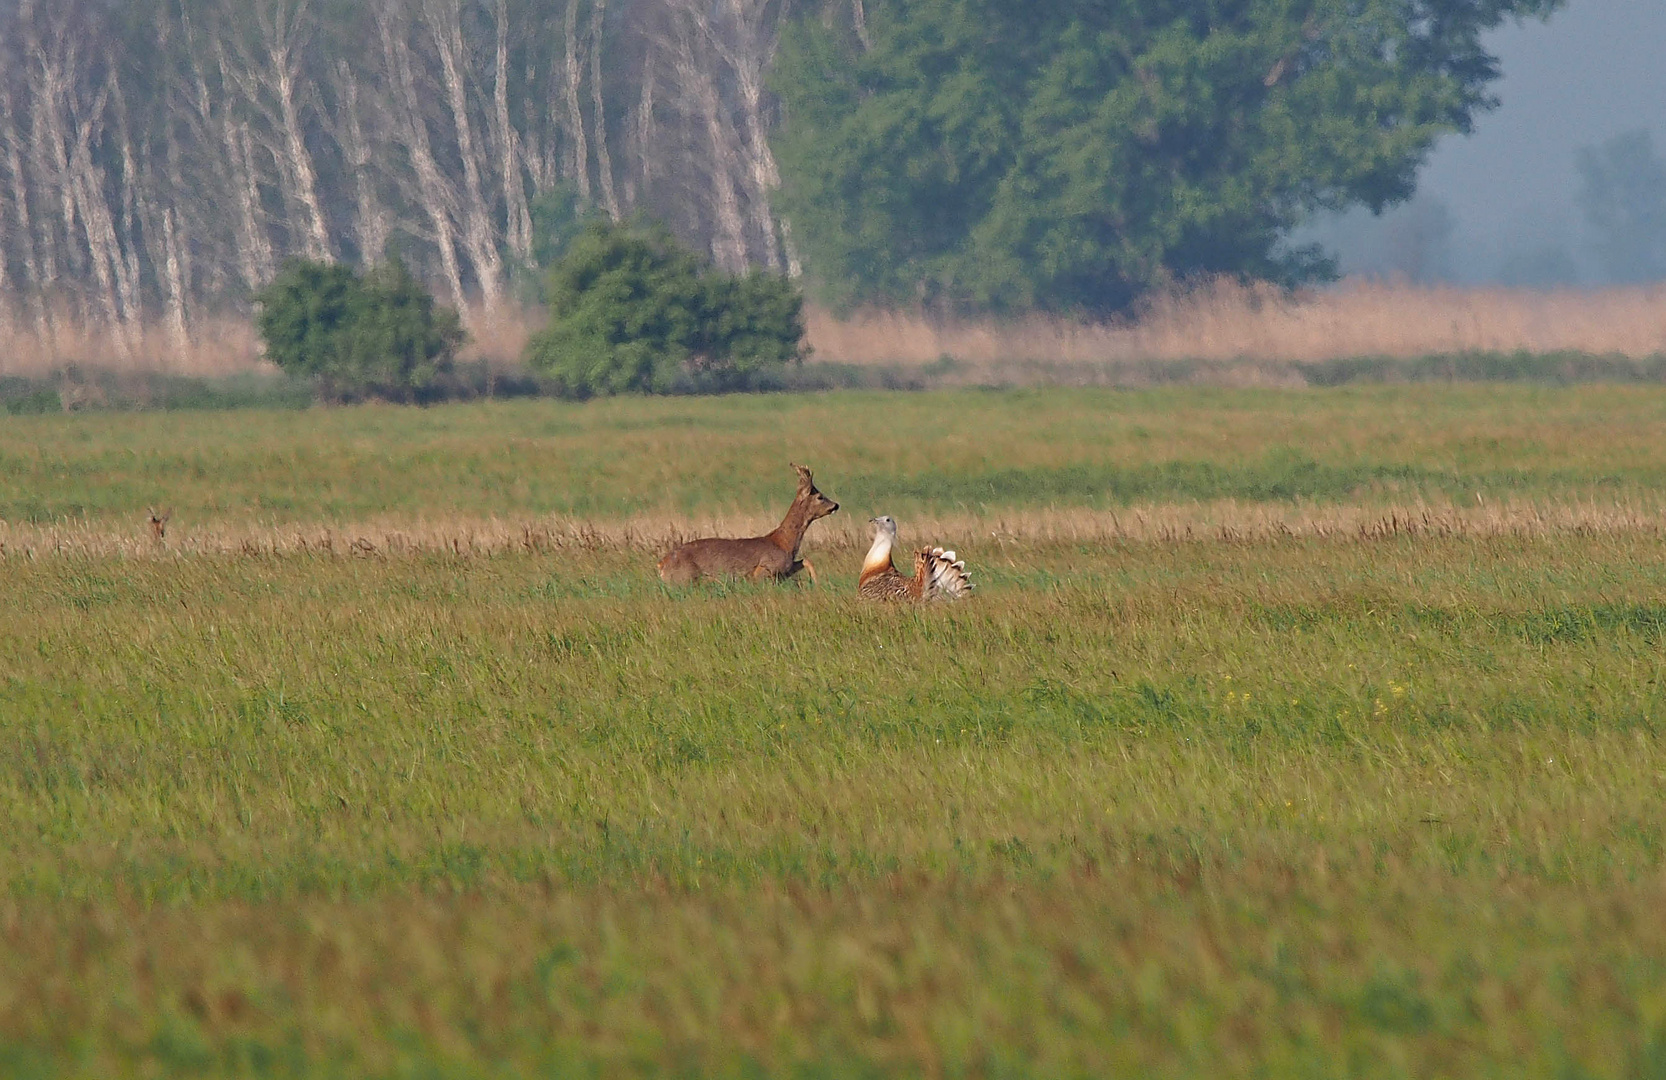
(1254, 331)
(1223, 521)
(215, 348)
(1226, 321)
(499, 338)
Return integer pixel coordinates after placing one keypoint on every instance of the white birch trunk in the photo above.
(103, 245)
(284, 56)
(517, 213)
(795, 265)
(128, 271)
(542, 160)
(370, 218)
(749, 60)
(445, 27)
(252, 242)
(575, 114)
(256, 243)
(859, 18)
(162, 221)
(695, 80)
(12, 139)
(268, 78)
(645, 125)
(49, 139)
(214, 136)
(746, 40)
(604, 163)
(181, 262)
(432, 192)
(174, 286)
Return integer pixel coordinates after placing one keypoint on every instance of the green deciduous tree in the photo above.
(632, 311)
(1006, 154)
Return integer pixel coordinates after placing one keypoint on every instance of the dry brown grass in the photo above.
(1245, 335)
(499, 337)
(220, 346)
(1220, 521)
(1231, 322)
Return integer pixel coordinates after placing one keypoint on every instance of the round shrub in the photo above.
(631, 311)
(377, 334)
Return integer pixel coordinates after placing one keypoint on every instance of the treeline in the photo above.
(160, 159)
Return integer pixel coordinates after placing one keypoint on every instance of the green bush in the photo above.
(633, 311)
(380, 334)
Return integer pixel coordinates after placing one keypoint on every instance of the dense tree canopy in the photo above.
(1006, 154)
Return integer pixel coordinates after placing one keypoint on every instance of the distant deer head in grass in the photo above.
(159, 523)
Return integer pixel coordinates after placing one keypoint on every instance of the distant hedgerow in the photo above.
(632, 311)
(377, 334)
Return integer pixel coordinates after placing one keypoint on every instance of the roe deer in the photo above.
(159, 523)
(938, 575)
(774, 555)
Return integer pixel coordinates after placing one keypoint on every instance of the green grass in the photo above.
(94, 389)
(909, 453)
(78, 388)
(1347, 806)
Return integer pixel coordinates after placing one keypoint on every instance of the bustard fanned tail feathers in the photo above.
(946, 577)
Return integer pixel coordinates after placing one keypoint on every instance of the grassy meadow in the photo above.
(1290, 733)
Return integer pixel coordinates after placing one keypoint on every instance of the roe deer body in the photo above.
(773, 555)
(159, 523)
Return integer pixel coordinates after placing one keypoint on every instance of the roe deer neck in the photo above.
(790, 533)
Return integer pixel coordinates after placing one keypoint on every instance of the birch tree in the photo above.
(444, 23)
(159, 159)
(266, 63)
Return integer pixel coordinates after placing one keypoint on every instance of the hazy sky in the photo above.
(1595, 69)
